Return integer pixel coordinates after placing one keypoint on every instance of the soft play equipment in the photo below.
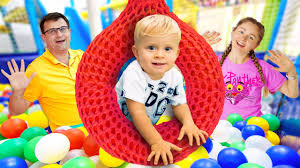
(97, 75)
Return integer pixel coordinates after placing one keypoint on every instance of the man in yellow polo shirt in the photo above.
(50, 78)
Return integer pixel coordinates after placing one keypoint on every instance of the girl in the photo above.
(245, 75)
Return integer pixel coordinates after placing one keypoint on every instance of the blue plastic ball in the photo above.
(231, 157)
(208, 145)
(240, 125)
(205, 163)
(283, 155)
(250, 130)
(284, 166)
(13, 162)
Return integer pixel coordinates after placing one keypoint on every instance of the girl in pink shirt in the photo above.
(245, 75)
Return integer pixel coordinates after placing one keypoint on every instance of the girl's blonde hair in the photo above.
(156, 25)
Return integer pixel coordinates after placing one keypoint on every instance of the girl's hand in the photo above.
(212, 37)
(283, 62)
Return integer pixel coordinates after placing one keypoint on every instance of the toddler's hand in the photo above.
(162, 149)
(191, 130)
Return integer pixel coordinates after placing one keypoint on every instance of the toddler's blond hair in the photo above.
(153, 25)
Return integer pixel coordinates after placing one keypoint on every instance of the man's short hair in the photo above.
(52, 16)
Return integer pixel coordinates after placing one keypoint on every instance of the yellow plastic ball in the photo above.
(273, 137)
(1, 107)
(200, 153)
(163, 119)
(109, 160)
(86, 133)
(38, 119)
(22, 116)
(262, 123)
(52, 166)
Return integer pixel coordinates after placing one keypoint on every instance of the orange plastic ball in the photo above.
(13, 128)
(90, 146)
(76, 138)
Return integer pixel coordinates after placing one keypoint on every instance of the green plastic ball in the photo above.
(32, 132)
(250, 165)
(79, 162)
(29, 149)
(238, 145)
(234, 117)
(13, 147)
(273, 121)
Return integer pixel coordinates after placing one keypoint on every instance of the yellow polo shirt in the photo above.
(54, 87)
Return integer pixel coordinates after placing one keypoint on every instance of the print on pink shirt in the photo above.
(238, 87)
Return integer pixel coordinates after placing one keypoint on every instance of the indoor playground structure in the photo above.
(108, 139)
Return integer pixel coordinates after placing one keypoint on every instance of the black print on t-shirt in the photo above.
(162, 106)
(161, 86)
(124, 109)
(151, 99)
(150, 86)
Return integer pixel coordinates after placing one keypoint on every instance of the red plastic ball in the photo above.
(76, 138)
(13, 128)
(90, 146)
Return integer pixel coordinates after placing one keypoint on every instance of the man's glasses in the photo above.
(53, 31)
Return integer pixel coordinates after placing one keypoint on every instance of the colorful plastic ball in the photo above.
(258, 142)
(262, 123)
(90, 146)
(86, 133)
(208, 145)
(205, 163)
(235, 135)
(52, 148)
(217, 147)
(37, 164)
(1, 137)
(284, 166)
(273, 137)
(76, 138)
(240, 125)
(238, 145)
(22, 116)
(12, 128)
(13, 162)
(231, 157)
(250, 165)
(250, 130)
(109, 160)
(72, 154)
(79, 162)
(32, 132)
(29, 149)
(200, 153)
(38, 119)
(283, 155)
(221, 133)
(234, 117)
(12, 147)
(3, 117)
(248, 118)
(258, 156)
(52, 166)
(273, 121)
(95, 159)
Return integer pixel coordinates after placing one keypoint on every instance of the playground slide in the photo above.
(80, 33)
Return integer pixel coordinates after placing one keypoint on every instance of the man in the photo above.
(50, 78)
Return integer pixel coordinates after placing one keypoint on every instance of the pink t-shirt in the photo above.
(243, 87)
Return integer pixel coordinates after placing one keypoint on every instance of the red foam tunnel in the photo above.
(97, 76)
